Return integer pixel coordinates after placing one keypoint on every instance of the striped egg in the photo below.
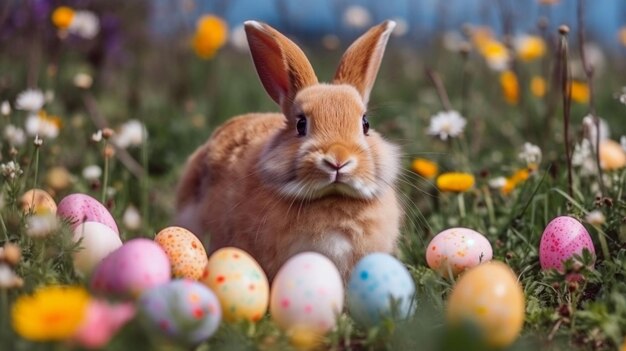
(186, 253)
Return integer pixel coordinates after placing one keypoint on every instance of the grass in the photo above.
(181, 99)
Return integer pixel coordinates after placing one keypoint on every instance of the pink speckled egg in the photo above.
(456, 249)
(138, 265)
(563, 238)
(79, 208)
(185, 252)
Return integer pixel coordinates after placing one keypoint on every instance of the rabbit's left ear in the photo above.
(359, 65)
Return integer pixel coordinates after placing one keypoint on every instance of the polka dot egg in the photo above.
(183, 310)
(563, 238)
(239, 283)
(79, 208)
(307, 295)
(456, 249)
(379, 284)
(185, 252)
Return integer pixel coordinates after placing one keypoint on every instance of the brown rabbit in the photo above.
(315, 177)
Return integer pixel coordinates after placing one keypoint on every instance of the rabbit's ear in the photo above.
(282, 66)
(359, 65)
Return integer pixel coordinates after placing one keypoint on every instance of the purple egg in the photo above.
(563, 238)
(138, 265)
(80, 208)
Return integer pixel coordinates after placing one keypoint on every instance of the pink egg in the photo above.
(79, 208)
(457, 249)
(138, 265)
(563, 238)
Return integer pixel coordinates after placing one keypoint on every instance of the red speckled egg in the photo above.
(185, 252)
(563, 238)
(79, 208)
(456, 249)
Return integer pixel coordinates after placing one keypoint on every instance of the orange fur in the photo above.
(257, 185)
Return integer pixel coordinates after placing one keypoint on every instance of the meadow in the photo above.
(114, 110)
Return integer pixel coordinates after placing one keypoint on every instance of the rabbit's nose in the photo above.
(338, 157)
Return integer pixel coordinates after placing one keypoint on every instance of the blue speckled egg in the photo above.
(376, 281)
(184, 310)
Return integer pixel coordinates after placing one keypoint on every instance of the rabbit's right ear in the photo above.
(282, 66)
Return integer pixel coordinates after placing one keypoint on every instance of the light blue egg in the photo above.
(376, 281)
(184, 310)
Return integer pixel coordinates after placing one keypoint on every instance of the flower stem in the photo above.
(566, 90)
(4, 229)
(461, 201)
(603, 244)
(36, 171)
(105, 181)
(145, 189)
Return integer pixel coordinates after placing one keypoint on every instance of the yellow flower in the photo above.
(211, 34)
(455, 182)
(54, 120)
(518, 177)
(622, 36)
(538, 86)
(580, 92)
(510, 87)
(426, 168)
(52, 313)
(530, 47)
(62, 17)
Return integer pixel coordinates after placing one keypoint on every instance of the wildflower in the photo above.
(590, 130)
(43, 124)
(130, 134)
(42, 225)
(529, 47)
(131, 218)
(107, 133)
(595, 218)
(455, 182)
(496, 55)
(211, 34)
(101, 322)
(580, 91)
(5, 108)
(238, 39)
(497, 183)
(11, 170)
(583, 158)
(92, 173)
(83, 80)
(52, 313)
(357, 16)
(14, 135)
(538, 86)
(426, 168)
(510, 87)
(530, 154)
(30, 100)
(85, 24)
(612, 156)
(446, 124)
(97, 136)
(62, 17)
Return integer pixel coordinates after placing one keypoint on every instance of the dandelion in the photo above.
(426, 168)
(580, 92)
(92, 173)
(15, 136)
(131, 218)
(446, 124)
(510, 87)
(211, 34)
(62, 17)
(496, 55)
(43, 124)
(531, 155)
(529, 47)
(52, 313)
(42, 225)
(10, 170)
(31, 100)
(538, 86)
(5, 108)
(83, 80)
(455, 182)
(131, 133)
(595, 218)
(357, 16)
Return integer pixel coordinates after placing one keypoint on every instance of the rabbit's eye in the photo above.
(366, 125)
(301, 125)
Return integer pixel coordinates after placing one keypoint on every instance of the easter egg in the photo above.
(307, 295)
(185, 252)
(239, 283)
(563, 238)
(612, 155)
(184, 310)
(96, 242)
(457, 249)
(79, 208)
(138, 265)
(380, 284)
(38, 201)
(490, 297)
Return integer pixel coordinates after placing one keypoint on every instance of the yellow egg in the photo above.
(490, 296)
(38, 201)
(612, 156)
(185, 252)
(239, 283)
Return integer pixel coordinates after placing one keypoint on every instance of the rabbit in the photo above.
(315, 177)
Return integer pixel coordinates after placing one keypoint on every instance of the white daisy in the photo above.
(446, 124)
(531, 154)
(38, 125)
(130, 134)
(595, 217)
(93, 172)
(357, 16)
(30, 100)
(14, 135)
(85, 24)
(497, 183)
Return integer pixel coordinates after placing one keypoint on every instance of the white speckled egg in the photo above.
(307, 295)
(97, 241)
(376, 281)
(239, 283)
(457, 249)
(185, 252)
(184, 310)
(563, 238)
(138, 265)
(79, 208)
